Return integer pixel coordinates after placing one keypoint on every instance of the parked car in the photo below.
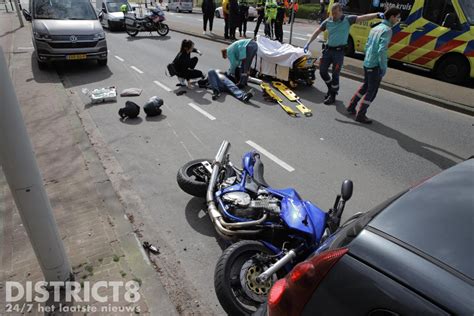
(66, 30)
(180, 5)
(252, 13)
(112, 16)
(411, 255)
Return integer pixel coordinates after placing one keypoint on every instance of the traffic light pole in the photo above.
(26, 184)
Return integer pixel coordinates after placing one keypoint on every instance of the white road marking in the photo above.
(179, 16)
(26, 48)
(197, 138)
(120, 58)
(136, 69)
(300, 38)
(162, 86)
(185, 148)
(321, 138)
(265, 152)
(197, 108)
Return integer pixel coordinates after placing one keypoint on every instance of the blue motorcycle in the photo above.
(278, 229)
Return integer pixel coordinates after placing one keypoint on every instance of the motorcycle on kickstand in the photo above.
(151, 22)
(277, 228)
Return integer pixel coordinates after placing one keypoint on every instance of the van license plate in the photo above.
(76, 57)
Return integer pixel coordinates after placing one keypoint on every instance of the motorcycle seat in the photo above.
(258, 172)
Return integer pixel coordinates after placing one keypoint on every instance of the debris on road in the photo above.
(149, 247)
(152, 106)
(131, 92)
(131, 110)
(101, 95)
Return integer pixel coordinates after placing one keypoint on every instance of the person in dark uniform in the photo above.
(185, 65)
(234, 18)
(244, 15)
(338, 26)
(208, 8)
(280, 18)
(261, 15)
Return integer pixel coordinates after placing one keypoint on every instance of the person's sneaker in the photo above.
(351, 110)
(215, 95)
(204, 33)
(331, 99)
(181, 83)
(363, 119)
(247, 97)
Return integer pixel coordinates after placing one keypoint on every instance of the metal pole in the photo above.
(26, 184)
(292, 19)
(18, 12)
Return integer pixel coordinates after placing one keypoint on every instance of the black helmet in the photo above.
(152, 106)
(131, 110)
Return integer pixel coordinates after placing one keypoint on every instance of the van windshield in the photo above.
(468, 8)
(114, 6)
(63, 10)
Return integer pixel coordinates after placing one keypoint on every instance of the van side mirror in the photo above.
(449, 21)
(27, 15)
(346, 190)
(101, 16)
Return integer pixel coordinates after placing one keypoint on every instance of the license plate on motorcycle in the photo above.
(76, 57)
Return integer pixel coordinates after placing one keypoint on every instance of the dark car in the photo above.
(411, 255)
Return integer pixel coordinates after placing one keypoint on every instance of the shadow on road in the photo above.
(157, 118)
(406, 142)
(154, 37)
(197, 217)
(129, 121)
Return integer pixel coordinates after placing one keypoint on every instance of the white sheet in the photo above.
(276, 53)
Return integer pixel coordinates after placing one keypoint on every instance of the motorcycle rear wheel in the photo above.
(234, 278)
(189, 182)
(163, 29)
(131, 32)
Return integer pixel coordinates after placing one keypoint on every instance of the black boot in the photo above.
(361, 118)
(331, 99)
(215, 94)
(351, 110)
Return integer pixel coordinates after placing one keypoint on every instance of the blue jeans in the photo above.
(368, 91)
(224, 84)
(336, 58)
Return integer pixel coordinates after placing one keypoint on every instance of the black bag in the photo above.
(172, 69)
(152, 106)
(131, 110)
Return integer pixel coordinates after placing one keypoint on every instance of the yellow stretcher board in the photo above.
(268, 90)
(290, 95)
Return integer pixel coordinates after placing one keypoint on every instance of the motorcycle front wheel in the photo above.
(163, 29)
(132, 32)
(235, 278)
(193, 178)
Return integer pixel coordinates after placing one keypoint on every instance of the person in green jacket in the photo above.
(270, 17)
(375, 65)
(240, 55)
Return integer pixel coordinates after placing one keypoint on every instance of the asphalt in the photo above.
(409, 140)
(401, 79)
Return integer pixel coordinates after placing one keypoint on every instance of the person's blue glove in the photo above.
(380, 15)
(382, 72)
(305, 48)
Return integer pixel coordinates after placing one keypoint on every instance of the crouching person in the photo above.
(220, 82)
(185, 64)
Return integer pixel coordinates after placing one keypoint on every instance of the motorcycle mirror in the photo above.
(346, 190)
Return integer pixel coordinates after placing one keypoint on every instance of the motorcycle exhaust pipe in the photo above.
(215, 215)
(262, 278)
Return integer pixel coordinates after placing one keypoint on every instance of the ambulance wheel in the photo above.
(350, 49)
(453, 69)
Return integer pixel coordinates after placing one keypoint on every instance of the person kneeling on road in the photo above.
(375, 65)
(240, 55)
(219, 82)
(185, 65)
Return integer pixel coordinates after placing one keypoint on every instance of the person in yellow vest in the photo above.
(225, 12)
(270, 17)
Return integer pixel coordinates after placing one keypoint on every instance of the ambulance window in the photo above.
(438, 11)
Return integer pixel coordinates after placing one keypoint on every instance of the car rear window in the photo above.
(437, 218)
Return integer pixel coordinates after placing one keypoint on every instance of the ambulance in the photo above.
(437, 35)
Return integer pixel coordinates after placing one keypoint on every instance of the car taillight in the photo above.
(289, 295)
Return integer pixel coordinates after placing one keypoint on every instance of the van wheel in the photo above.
(42, 65)
(102, 62)
(452, 69)
(350, 49)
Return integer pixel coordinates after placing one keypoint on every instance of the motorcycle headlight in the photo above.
(99, 36)
(40, 36)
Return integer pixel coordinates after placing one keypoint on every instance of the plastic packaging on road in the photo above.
(101, 95)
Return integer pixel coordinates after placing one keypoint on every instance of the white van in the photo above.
(180, 5)
(112, 16)
(66, 30)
